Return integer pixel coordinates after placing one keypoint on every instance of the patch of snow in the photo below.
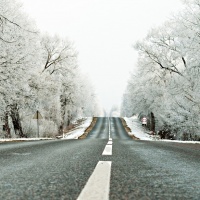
(74, 134)
(78, 131)
(136, 128)
(23, 139)
(138, 131)
(179, 141)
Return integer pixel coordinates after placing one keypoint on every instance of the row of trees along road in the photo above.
(167, 82)
(38, 72)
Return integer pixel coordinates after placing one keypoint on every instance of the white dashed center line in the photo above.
(107, 151)
(109, 128)
(109, 142)
(98, 185)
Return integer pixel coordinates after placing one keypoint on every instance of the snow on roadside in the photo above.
(136, 128)
(180, 141)
(138, 131)
(74, 134)
(78, 131)
(23, 139)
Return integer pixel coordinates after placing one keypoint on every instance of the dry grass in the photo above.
(94, 120)
(128, 130)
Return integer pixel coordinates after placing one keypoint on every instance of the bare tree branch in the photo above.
(6, 19)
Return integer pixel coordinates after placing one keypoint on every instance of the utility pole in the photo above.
(37, 116)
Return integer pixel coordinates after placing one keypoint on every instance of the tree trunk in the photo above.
(63, 103)
(6, 125)
(69, 118)
(60, 129)
(152, 122)
(16, 120)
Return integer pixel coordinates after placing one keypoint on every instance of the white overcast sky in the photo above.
(103, 32)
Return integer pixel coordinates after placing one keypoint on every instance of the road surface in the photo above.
(108, 164)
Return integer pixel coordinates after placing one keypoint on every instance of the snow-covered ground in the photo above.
(78, 131)
(138, 131)
(136, 128)
(74, 134)
(23, 139)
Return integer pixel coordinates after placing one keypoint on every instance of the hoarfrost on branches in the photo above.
(167, 79)
(38, 72)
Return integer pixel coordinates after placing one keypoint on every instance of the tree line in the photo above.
(167, 82)
(38, 72)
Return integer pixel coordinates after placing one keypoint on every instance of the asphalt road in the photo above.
(60, 169)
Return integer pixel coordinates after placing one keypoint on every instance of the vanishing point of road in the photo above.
(108, 164)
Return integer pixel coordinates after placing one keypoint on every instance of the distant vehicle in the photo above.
(144, 121)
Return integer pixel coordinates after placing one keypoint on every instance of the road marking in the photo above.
(109, 142)
(109, 127)
(98, 185)
(107, 150)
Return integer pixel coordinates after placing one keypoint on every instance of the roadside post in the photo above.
(144, 121)
(37, 116)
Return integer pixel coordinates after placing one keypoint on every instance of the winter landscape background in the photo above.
(40, 71)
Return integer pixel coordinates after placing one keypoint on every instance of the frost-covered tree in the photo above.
(16, 61)
(167, 82)
(38, 72)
